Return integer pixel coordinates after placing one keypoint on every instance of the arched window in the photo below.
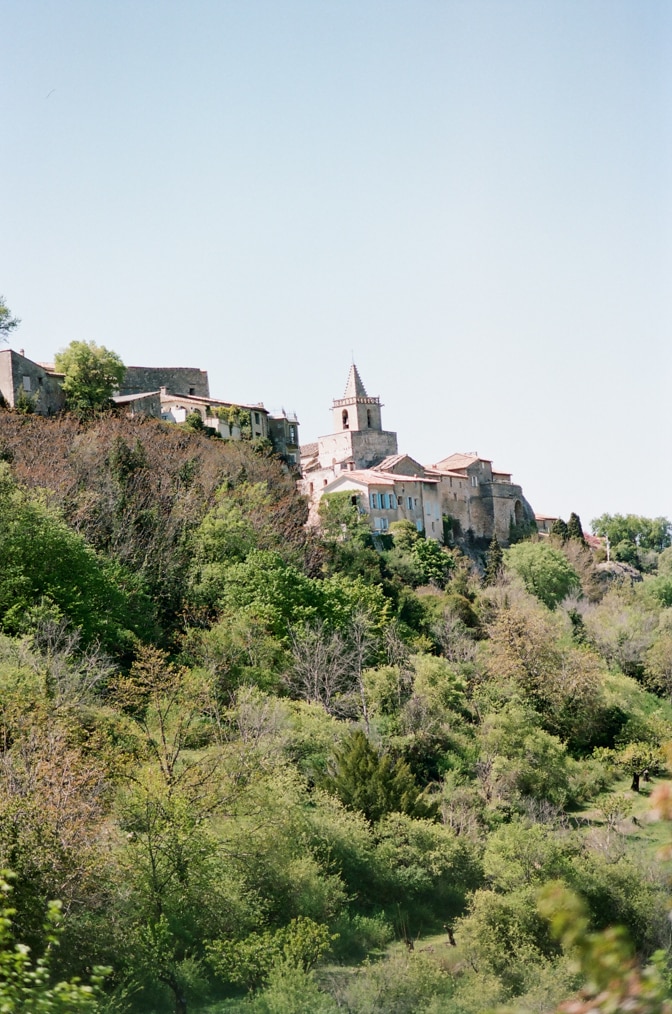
(346, 424)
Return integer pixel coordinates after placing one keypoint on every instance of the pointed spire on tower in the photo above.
(354, 387)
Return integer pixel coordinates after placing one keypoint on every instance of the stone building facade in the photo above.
(216, 415)
(361, 457)
(479, 501)
(284, 434)
(176, 379)
(32, 386)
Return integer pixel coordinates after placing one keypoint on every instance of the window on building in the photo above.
(292, 434)
(474, 480)
(393, 502)
(256, 418)
(409, 502)
(373, 501)
(368, 417)
(418, 525)
(385, 497)
(26, 383)
(381, 524)
(346, 424)
(192, 391)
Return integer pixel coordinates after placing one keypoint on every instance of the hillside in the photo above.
(272, 768)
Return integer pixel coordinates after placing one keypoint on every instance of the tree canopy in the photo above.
(92, 374)
(7, 322)
(545, 571)
(239, 749)
(628, 532)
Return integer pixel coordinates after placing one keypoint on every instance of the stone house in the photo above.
(183, 390)
(361, 457)
(222, 416)
(33, 386)
(480, 501)
(544, 523)
(148, 403)
(284, 433)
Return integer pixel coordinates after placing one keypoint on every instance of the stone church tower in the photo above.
(358, 439)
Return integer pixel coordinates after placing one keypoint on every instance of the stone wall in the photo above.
(365, 447)
(149, 404)
(23, 381)
(178, 380)
(487, 509)
(6, 379)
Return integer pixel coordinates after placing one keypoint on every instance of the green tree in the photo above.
(341, 520)
(374, 783)
(7, 322)
(45, 563)
(559, 528)
(574, 528)
(520, 758)
(249, 962)
(613, 981)
(434, 561)
(495, 562)
(25, 985)
(545, 571)
(92, 373)
(658, 670)
(630, 532)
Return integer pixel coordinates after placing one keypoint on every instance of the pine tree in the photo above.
(495, 562)
(574, 529)
(374, 783)
(559, 527)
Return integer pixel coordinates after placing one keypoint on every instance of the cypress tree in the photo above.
(495, 562)
(559, 527)
(574, 529)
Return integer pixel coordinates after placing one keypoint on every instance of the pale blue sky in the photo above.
(474, 198)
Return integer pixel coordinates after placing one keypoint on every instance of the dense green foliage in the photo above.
(545, 571)
(631, 535)
(261, 764)
(92, 373)
(7, 322)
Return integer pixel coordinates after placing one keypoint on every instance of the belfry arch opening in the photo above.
(346, 423)
(368, 418)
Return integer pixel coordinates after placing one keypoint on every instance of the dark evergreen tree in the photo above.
(495, 562)
(574, 529)
(559, 527)
(374, 783)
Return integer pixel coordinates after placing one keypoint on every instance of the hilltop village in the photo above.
(168, 393)
(462, 497)
(232, 740)
(461, 493)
